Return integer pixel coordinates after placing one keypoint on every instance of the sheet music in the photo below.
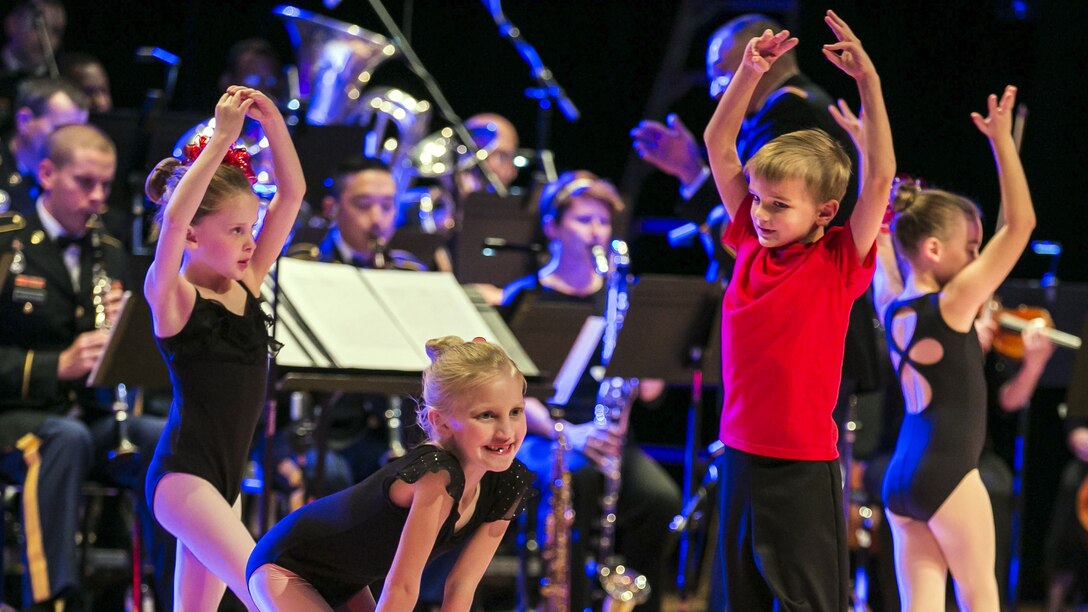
(427, 305)
(577, 359)
(347, 318)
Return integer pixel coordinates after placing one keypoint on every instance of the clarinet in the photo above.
(624, 587)
(101, 284)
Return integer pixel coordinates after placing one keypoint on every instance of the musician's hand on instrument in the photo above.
(986, 328)
(113, 303)
(77, 360)
(597, 444)
(1037, 347)
(1078, 443)
(669, 147)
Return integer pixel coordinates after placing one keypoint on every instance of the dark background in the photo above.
(938, 62)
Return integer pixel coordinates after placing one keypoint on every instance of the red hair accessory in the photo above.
(236, 156)
(479, 339)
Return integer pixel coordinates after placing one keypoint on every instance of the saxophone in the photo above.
(555, 584)
(624, 587)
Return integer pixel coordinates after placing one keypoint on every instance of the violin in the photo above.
(1012, 321)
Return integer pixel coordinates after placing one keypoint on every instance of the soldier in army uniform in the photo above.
(61, 289)
(41, 105)
(363, 206)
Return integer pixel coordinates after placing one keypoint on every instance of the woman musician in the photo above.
(577, 212)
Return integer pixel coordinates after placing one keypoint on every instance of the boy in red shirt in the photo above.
(784, 318)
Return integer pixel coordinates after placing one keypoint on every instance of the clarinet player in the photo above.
(49, 341)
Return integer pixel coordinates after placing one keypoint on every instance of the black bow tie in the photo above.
(63, 242)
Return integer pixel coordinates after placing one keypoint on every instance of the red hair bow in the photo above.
(236, 156)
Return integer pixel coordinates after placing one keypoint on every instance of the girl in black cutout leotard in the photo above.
(210, 328)
(937, 506)
(938, 446)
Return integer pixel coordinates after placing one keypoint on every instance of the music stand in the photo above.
(671, 331)
(547, 331)
(1076, 399)
(488, 216)
(131, 357)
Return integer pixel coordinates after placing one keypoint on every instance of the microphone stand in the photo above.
(42, 31)
(546, 91)
(440, 101)
(155, 103)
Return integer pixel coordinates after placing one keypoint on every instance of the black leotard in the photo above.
(939, 445)
(345, 542)
(218, 368)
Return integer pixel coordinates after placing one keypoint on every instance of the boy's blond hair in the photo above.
(810, 155)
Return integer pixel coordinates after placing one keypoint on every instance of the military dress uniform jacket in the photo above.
(41, 314)
(319, 244)
(18, 191)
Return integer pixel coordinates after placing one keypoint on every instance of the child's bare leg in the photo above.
(920, 568)
(275, 589)
(211, 534)
(195, 587)
(964, 528)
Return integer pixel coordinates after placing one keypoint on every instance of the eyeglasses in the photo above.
(719, 83)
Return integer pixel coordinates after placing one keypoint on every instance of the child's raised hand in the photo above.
(764, 50)
(998, 119)
(847, 120)
(263, 107)
(848, 53)
(230, 113)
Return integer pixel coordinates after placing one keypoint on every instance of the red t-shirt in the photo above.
(784, 321)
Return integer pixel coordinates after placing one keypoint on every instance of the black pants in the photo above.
(782, 544)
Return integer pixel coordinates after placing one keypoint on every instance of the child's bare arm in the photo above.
(290, 185)
(163, 286)
(876, 156)
(470, 567)
(724, 126)
(965, 293)
(888, 281)
(430, 506)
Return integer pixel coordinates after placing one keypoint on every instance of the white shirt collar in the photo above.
(52, 227)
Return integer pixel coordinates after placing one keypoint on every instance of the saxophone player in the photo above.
(577, 213)
(49, 342)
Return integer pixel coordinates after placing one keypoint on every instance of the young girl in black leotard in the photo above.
(938, 510)
(202, 289)
(462, 486)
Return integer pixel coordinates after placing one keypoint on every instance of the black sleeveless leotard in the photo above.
(939, 445)
(218, 368)
(345, 542)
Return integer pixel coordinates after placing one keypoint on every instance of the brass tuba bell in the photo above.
(335, 62)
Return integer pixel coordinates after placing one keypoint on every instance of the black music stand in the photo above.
(485, 216)
(547, 330)
(131, 357)
(671, 332)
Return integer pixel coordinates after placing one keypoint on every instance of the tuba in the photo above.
(336, 61)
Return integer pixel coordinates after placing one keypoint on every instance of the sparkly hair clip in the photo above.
(236, 156)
